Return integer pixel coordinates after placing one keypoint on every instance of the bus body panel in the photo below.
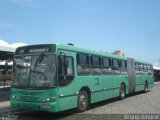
(107, 86)
(97, 92)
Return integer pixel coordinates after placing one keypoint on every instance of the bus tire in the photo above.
(122, 92)
(146, 87)
(83, 101)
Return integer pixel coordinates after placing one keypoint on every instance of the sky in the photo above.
(132, 26)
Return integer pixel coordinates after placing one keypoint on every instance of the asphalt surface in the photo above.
(141, 106)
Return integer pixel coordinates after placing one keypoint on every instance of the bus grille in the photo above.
(29, 98)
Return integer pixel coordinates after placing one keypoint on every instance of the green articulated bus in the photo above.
(56, 77)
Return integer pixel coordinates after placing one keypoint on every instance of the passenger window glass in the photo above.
(96, 65)
(136, 66)
(141, 67)
(107, 69)
(96, 60)
(123, 64)
(82, 59)
(106, 62)
(116, 69)
(83, 66)
(115, 63)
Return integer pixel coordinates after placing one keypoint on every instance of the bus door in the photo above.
(66, 76)
(131, 74)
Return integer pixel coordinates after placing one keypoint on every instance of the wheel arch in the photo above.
(123, 83)
(121, 93)
(146, 81)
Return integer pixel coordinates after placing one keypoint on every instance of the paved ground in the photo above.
(140, 103)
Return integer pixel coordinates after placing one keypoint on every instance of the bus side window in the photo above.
(66, 70)
(83, 65)
(107, 65)
(141, 69)
(123, 65)
(137, 68)
(150, 69)
(145, 69)
(96, 65)
(116, 65)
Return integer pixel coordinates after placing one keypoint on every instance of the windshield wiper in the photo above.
(39, 59)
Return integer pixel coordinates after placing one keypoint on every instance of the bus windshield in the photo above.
(34, 71)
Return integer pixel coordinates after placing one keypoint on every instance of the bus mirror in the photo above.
(61, 59)
(62, 53)
(66, 62)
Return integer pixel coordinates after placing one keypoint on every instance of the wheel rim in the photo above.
(83, 102)
(122, 93)
(146, 87)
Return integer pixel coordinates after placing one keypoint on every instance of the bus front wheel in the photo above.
(83, 101)
(122, 91)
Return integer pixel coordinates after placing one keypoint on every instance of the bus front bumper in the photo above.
(48, 106)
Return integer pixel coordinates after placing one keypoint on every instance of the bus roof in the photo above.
(77, 49)
(83, 50)
(144, 62)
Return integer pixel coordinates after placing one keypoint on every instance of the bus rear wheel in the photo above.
(122, 91)
(83, 101)
(146, 87)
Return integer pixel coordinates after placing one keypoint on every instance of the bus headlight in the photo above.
(14, 97)
(46, 99)
(49, 99)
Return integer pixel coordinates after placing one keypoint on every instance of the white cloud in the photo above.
(15, 45)
(4, 43)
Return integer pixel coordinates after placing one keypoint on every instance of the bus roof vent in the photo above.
(71, 44)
